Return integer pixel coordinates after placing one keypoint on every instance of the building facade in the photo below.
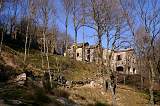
(122, 61)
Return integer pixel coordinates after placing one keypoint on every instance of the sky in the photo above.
(88, 32)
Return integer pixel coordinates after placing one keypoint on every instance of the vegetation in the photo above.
(32, 41)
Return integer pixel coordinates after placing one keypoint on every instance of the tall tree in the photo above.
(31, 10)
(67, 4)
(1, 29)
(147, 13)
(46, 10)
(95, 20)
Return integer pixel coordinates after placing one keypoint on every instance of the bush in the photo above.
(157, 97)
(6, 72)
(100, 104)
(40, 96)
(60, 93)
(46, 82)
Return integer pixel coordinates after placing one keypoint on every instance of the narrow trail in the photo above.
(127, 96)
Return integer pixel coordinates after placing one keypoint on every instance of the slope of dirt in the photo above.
(127, 96)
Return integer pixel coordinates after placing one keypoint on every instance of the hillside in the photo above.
(11, 63)
(58, 64)
(125, 96)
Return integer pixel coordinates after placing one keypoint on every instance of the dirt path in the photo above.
(126, 96)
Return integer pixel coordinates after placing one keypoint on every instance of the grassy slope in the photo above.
(12, 61)
(71, 69)
(125, 96)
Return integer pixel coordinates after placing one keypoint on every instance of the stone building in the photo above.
(123, 61)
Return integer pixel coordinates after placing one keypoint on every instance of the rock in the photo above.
(21, 77)
(15, 102)
(68, 84)
(21, 82)
(2, 103)
(62, 101)
(66, 102)
(60, 80)
(92, 84)
(100, 81)
(40, 84)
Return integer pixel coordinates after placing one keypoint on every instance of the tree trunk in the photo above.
(124, 80)
(141, 73)
(151, 78)
(100, 51)
(113, 93)
(1, 42)
(26, 42)
(42, 58)
(141, 82)
(83, 49)
(29, 44)
(44, 42)
(66, 51)
(75, 45)
(48, 66)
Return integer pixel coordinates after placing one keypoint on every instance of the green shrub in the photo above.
(13, 94)
(101, 104)
(40, 96)
(157, 97)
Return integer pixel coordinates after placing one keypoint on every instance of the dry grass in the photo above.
(126, 96)
(71, 69)
(87, 96)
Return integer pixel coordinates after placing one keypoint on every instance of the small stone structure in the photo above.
(123, 61)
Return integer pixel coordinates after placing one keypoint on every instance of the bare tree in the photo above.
(106, 19)
(83, 7)
(147, 14)
(14, 14)
(67, 4)
(31, 10)
(47, 9)
(2, 34)
(95, 19)
(114, 28)
(1, 29)
(77, 20)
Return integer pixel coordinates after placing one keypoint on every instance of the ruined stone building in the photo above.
(123, 61)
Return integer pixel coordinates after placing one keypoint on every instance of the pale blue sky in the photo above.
(88, 32)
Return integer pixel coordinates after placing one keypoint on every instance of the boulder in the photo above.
(15, 102)
(21, 77)
(92, 84)
(68, 84)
